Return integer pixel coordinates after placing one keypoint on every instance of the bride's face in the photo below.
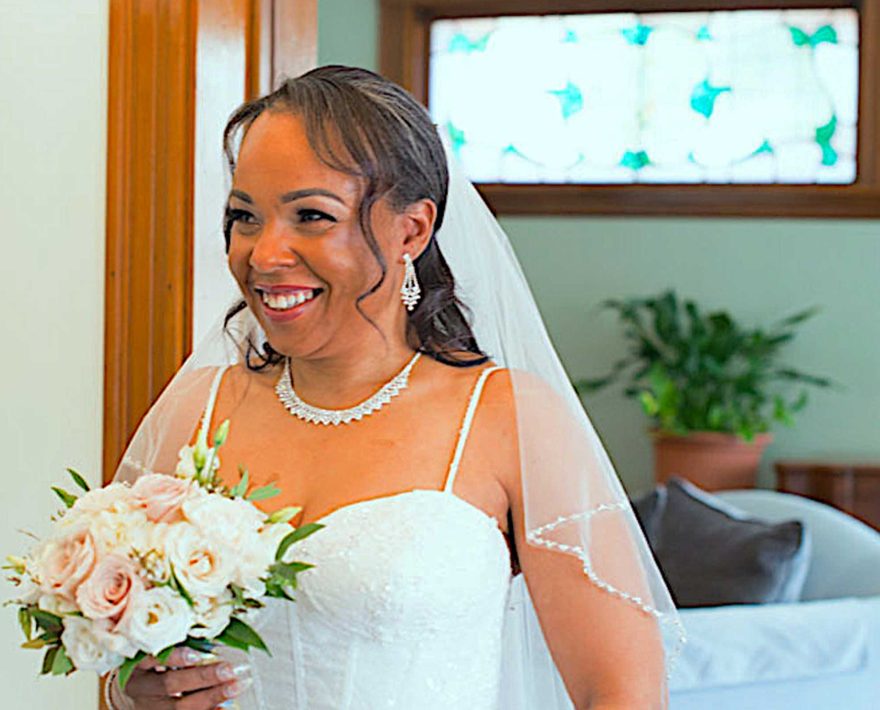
(297, 249)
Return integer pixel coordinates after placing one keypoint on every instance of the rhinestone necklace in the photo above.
(292, 402)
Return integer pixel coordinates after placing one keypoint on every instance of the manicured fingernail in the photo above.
(230, 672)
(191, 656)
(237, 687)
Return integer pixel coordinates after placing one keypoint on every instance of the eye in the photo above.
(312, 215)
(236, 215)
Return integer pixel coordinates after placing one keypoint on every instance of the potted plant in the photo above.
(711, 387)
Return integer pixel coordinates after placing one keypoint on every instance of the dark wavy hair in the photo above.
(361, 124)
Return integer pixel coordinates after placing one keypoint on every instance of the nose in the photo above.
(273, 250)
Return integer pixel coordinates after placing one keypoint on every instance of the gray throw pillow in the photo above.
(712, 553)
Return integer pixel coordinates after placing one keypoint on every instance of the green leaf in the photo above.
(649, 403)
(199, 644)
(239, 635)
(289, 570)
(300, 533)
(127, 667)
(232, 642)
(284, 515)
(278, 591)
(47, 621)
(165, 653)
(263, 493)
(176, 584)
(68, 498)
(798, 317)
(241, 487)
(26, 622)
(49, 660)
(41, 641)
(79, 480)
(61, 664)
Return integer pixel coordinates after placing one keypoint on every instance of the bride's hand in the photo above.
(184, 682)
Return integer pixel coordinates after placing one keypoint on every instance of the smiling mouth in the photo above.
(282, 302)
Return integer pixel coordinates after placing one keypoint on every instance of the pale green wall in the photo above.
(758, 269)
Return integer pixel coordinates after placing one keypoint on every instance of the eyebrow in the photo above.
(292, 196)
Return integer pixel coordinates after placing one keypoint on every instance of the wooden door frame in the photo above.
(155, 50)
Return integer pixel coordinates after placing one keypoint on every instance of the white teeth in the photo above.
(285, 301)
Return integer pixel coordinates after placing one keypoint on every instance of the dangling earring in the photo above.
(410, 293)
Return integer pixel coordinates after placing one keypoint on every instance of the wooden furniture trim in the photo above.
(852, 487)
(155, 47)
(403, 57)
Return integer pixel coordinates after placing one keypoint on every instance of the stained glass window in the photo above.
(695, 97)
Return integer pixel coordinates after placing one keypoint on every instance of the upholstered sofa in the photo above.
(821, 652)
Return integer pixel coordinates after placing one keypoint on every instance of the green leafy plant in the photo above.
(695, 371)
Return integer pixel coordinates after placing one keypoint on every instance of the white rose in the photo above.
(119, 532)
(84, 641)
(115, 497)
(230, 520)
(156, 619)
(251, 564)
(202, 564)
(57, 605)
(212, 614)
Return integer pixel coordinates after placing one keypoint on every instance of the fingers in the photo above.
(177, 682)
(179, 658)
(207, 699)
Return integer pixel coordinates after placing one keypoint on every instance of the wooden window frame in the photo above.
(404, 52)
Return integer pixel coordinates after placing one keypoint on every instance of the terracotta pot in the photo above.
(711, 460)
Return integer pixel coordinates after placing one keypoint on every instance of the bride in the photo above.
(385, 366)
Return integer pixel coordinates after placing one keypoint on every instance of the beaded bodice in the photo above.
(403, 609)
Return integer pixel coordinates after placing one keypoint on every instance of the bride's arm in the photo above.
(608, 652)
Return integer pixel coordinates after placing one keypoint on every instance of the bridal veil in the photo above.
(574, 503)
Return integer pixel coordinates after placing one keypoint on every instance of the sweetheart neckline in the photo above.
(446, 494)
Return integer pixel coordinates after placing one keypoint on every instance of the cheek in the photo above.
(237, 260)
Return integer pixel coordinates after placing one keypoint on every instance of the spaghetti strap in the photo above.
(212, 400)
(466, 427)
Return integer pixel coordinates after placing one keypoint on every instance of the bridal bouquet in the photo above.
(135, 570)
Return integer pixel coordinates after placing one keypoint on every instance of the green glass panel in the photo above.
(824, 134)
(456, 135)
(638, 34)
(704, 95)
(635, 160)
(571, 100)
(463, 43)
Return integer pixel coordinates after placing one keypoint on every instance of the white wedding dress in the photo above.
(405, 606)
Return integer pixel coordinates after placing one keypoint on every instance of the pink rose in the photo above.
(106, 592)
(161, 497)
(64, 563)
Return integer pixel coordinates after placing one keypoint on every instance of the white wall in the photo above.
(53, 79)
